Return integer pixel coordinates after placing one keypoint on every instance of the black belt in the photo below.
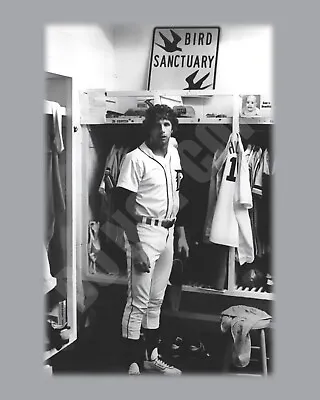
(165, 223)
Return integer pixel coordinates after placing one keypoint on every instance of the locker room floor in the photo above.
(99, 349)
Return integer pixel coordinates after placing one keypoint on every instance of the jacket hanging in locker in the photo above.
(55, 195)
(113, 232)
(230, 198)
(55, 202)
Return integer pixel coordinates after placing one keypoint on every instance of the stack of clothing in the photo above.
(113, 233)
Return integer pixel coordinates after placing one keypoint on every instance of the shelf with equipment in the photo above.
(155, 93)
(182, 121)
(103, 107)
(99, 106)
(256, 121)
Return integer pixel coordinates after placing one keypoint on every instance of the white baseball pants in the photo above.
(146, 290)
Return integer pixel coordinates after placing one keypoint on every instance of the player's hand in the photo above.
(183, 246)
(139, 258)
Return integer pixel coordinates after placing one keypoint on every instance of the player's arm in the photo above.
(125, 216)
(182, 243)
(130, 176)
(126, 191)
(182, 221)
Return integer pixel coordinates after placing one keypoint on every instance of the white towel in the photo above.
(57, 124)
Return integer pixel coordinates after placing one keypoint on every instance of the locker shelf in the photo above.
(255, 120)
(138, 120)
(146, 93)
(105, 279)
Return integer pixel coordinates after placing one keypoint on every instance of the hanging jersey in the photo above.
(112, 168)
(262, 169)
(212, 198)
(259, 168)
(253, 155)
(259, 164)
(231, 223)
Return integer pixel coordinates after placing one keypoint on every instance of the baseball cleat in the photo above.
(155, 364)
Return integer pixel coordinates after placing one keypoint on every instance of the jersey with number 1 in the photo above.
(231, 224)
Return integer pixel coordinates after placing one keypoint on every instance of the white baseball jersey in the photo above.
(155, 179)
(231, 224)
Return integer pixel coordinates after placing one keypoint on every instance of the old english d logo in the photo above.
(169, 46)
(179, 176)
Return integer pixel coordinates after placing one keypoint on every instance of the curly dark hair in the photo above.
(157, 112)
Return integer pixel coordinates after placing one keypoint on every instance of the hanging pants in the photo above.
(146, 290)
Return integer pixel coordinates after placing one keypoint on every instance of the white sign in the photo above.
(184, 58)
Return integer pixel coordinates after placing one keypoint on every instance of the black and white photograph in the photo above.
(158, 246)
(250, 106)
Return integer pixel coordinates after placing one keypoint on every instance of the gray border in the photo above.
(295, 229)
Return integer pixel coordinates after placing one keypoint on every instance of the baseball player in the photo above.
(148, 198)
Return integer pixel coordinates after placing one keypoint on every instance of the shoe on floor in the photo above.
(177, 347)
(134, 369)
(198, 350)
(155, 364)
(177, 344)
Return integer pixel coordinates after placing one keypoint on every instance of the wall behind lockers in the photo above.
(245, 57)
(84, 52)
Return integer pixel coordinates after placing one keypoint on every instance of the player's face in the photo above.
(161, 132)
(251, 103)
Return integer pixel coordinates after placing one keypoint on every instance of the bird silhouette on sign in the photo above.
(170, 47)
(196, 85)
